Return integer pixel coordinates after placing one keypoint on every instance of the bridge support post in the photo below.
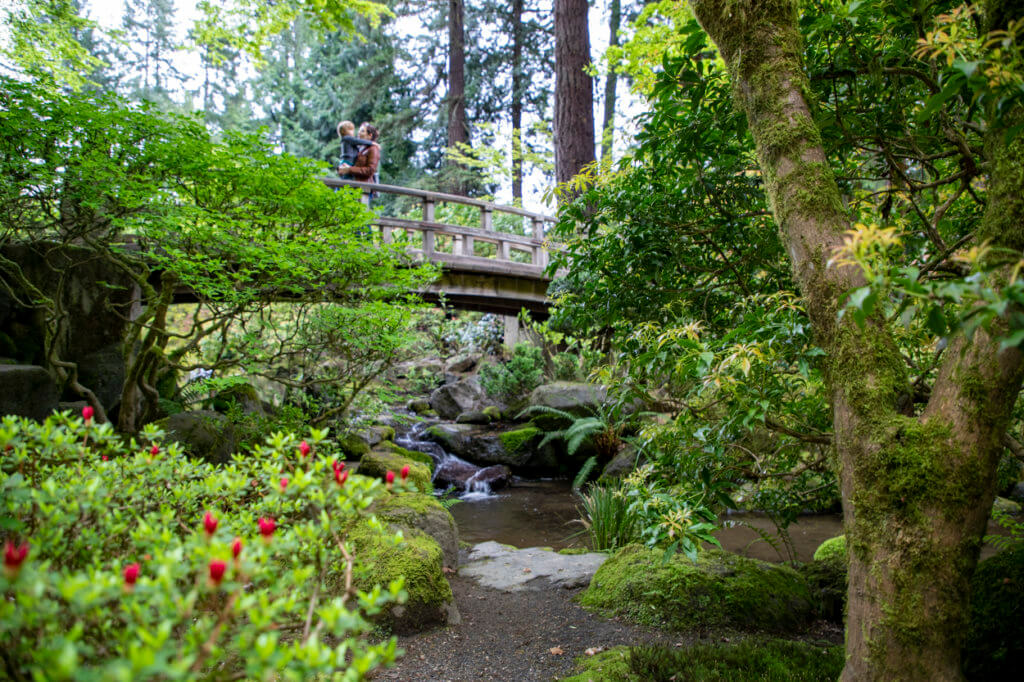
(512, 335)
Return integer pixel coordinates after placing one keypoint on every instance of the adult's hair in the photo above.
(371, 130)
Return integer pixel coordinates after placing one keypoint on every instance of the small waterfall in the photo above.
(446, 465)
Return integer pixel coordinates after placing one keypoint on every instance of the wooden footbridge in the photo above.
(486, 268)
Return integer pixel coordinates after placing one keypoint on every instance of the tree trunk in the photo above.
(517, 101)
(610, 83)
(916, 490)
(458, 128)
(574, 90)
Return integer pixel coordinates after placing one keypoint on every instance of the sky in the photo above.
(109, 12)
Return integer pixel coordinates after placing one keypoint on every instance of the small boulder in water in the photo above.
(454, 472)
(476, 417)
(491, 478)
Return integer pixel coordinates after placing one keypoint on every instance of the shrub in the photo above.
(517, 377)
(142, 564)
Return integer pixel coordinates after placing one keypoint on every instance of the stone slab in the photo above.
(509, 569)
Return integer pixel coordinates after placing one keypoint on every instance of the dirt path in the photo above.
(509, 636)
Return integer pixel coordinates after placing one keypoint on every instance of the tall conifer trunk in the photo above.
(610, 84)
(574, 90)
(458, 127)
(517, 100)
(916, 489)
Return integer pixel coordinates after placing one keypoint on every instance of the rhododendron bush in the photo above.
(125, 561)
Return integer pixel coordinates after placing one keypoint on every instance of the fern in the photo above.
(584, 473)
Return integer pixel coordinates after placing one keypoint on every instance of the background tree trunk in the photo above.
(517, 101)
(574, 90)
(916, 489)
(610, 83)
(458, 127)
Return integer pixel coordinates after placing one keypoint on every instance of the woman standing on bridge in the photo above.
(365, 167)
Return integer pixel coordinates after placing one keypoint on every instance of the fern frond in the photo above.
(584, 473)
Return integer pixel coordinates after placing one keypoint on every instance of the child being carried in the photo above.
(350, 145)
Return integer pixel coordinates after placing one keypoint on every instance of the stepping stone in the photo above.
(509, 569)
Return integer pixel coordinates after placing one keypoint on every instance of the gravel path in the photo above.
(509, 636)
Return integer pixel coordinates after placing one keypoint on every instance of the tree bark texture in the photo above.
(574, 90)
(517, 101)
(458, 126)
(610, 83)
(916, 489)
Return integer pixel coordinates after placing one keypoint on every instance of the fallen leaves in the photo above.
(556, 651)
(594, 650)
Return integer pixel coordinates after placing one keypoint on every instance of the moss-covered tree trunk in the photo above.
(916, 489)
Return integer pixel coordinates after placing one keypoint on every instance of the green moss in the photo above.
(377, 463)
(833, 547)
(414, 455)
(570, 551)
(386, 432)
(352, 446)
(519, 439)
(765, 660)
(994, 648)
(417, 558)
(719, 590)
(402, 507)
(493, 413)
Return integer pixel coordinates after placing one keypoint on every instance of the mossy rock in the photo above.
(377, 463)
(243, 395)
(419, 559)
(492, 412)
(994, 648)
(518, 440)
(420, 406)
(386, 432)
(353, 446)
(425, 513)
(756, 658)
(414, 455)
(719, 590)
(827, 581)
(204, 434)
(833, 547)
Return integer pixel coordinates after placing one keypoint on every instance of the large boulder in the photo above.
(425, 513)
(378, 462)
(28, 391)
(244, 396)
(576, 398)
(205, 434)
(420, 560)
(622, 464)
(453, 399)
(718, 590)
(464, 363)
(518, 448)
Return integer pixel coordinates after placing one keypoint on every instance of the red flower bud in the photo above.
(14, 557)
(405, 472)
(155, 450)
(87, 413)
(390, 478)
(304, 448)
(236, 547)
(337, 466)
(284, 483)
(104, 458)
(267, 526)
(340, 476)
(217, 568)
(210, 523)
(131, 574)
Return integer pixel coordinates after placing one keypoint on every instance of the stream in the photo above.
(544, 513)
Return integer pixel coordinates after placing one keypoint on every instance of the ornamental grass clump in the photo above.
(122, 566)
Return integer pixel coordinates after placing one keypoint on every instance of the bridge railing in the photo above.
(463, 239)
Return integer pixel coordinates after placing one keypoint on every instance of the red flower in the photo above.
(304, 448)
(337, 466)
(390, 478)
(14, 557)
(104, 458)
(284, 483)
(405, 472)
(236, 547)
(131, 574)
(267, 526)
(217, 568)
(210, 523)
(87, 413)
(340, 476)
(155, 450)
